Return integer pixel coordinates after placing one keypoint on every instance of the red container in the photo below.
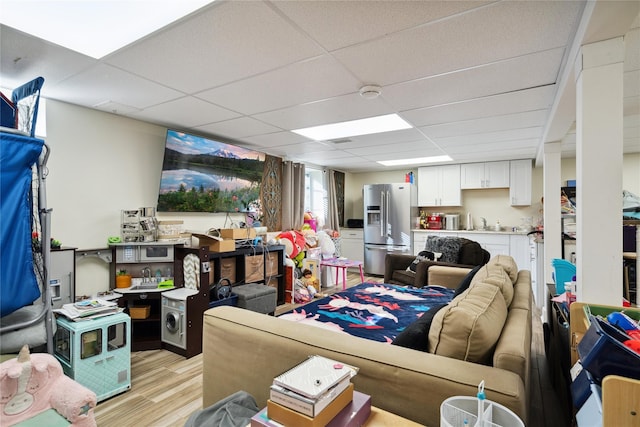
(434, 221)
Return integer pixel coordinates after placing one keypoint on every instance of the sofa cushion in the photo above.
(466, 282)
(495, 275)
(416, 335)
(424, 255)
(469, 327)
(449, 247)
(508, 264)
(471, 253)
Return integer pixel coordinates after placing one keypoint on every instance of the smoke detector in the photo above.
(370, 91)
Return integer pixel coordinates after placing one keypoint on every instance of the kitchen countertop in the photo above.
(509, 231)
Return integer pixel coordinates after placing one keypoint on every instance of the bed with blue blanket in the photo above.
(373, 311)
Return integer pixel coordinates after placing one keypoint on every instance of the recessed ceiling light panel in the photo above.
(379, 124)
(93, 27)
(415, 161)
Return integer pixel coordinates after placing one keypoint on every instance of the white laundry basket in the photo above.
(465, 411)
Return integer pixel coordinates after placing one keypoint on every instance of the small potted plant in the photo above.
(123, 279)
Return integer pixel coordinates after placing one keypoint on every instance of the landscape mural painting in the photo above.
(204, 175)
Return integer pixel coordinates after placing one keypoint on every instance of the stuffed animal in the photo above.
(326, 245)
(293, 242)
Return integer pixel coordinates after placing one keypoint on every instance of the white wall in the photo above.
(101, 163)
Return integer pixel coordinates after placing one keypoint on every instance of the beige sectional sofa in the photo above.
(243, 350)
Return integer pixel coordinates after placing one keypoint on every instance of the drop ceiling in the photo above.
(477, 80)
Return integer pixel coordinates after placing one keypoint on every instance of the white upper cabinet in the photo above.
(484, 175)
(520, 183)
(439, 186)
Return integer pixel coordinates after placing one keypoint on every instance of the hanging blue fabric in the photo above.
(18, 284)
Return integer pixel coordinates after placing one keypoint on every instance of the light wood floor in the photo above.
(166, 388)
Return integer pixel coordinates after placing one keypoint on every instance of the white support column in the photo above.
(599, 133)
(551, 181)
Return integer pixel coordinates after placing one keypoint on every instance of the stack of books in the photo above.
(317, 392)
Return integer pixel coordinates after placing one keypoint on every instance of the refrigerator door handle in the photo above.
(386, 215)
(382, 214)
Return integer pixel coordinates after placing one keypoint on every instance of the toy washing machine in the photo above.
(174, 316)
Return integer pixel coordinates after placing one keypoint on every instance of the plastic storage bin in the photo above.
(232, 301)
(462, 411)
(563, 272)
(602, 352)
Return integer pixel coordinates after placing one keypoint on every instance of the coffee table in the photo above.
(342, 264)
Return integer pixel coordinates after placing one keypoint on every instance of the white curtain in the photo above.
(333, 219)
(292, 195)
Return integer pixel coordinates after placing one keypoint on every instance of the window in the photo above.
(315, 195)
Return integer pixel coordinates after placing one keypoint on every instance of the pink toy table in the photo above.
(342, 264)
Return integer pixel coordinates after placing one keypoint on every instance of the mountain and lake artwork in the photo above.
(204, 175)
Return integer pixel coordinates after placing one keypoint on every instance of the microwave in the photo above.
(144, 253)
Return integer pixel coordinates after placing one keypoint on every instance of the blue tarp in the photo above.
(18, 284)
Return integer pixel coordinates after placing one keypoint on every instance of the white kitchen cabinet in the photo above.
(439, 186)
(494, 243)
(520, 250)
(484, 175)
(520, 182)
(352, 244)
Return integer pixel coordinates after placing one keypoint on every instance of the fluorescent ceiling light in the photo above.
(368, 126)
(94, 27)
(415, 161)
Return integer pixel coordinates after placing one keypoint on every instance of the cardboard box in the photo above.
(289, 417)
(355, 414)
(215, 244)
(238, 233)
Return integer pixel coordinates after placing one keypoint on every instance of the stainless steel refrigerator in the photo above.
(389, 210)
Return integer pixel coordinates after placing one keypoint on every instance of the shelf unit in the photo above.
(258, 264)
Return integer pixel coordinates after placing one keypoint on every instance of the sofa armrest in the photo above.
(74, 401)
(447, 276)
(423, 270)
(393, 262)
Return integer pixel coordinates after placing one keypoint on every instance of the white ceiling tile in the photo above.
(402, 147)
(238, 128)
(276, 139)
(490, 137)
(103, 82)
(23, 58)
(225, 42)
(309, 80)
(186, 111)
(488, 124)
(501, 31)
(308, 147)
(525, 72)
(384, 138)
(334, 110)
(356, 21)
(511, 102)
